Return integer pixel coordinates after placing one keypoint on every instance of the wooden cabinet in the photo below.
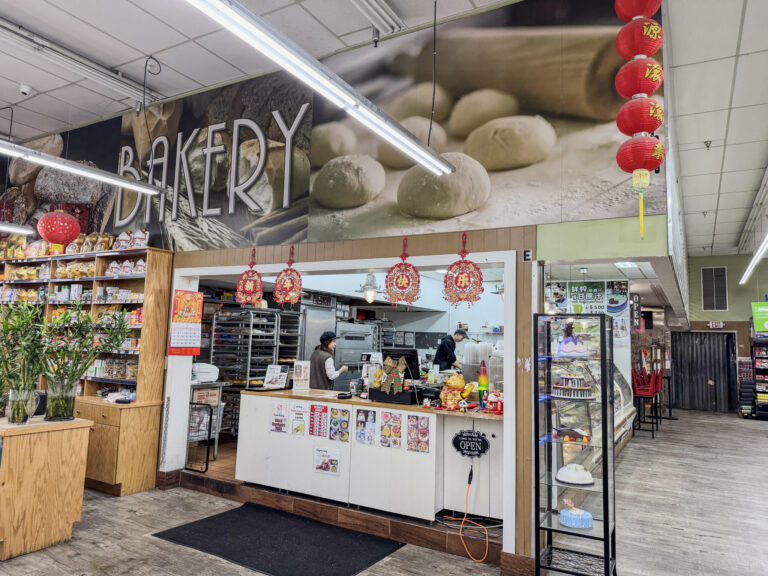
(42, 468)
(122, 452)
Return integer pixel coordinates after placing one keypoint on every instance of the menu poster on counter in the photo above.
(276, 376)
(299, 417)
(186, 323)
(328, 461)
(586, 297)
(418, 434)
(318, 420)
(339, 425)
(279, 420)
(365, 428)
(301, 375)
(391, 430)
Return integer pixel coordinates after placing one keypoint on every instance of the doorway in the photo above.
(700, 357)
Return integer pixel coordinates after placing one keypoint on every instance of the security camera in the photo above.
(25, 89)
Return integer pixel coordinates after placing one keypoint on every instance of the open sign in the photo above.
(471, 443)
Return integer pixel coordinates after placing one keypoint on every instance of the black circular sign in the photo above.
(471, 443)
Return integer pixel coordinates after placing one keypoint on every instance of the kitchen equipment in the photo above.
(352, 340)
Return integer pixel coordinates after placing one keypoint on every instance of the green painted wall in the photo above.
(740, 298)
(611, 238)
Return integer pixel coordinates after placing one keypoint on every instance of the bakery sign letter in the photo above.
(182, 180)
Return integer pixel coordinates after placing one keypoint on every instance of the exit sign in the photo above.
(716, 325)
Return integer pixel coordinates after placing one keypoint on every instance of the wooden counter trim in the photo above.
(98, 401)
(331, 396)
(39, 426)
(495, 239)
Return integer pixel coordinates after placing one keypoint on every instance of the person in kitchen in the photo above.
(322, 372)
(446, 351)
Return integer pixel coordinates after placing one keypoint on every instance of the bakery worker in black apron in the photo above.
(446, 352)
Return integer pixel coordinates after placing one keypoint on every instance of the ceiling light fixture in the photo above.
(583, 270)
(499, 290)
(14, 229)
(17, 36)
(755, 261)
(625, 265)
(43, 159)
(380, 15)
(295, 60)
(369, 289)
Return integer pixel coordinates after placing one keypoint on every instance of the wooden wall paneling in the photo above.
(154, 332)
(137, 459)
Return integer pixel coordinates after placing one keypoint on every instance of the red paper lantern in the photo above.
(641, 36)
(640, 76)
(463, 280)
(288, 285)
(628, 9)
(250, 286)
(640, 115)
(640, 153)
(403, 282)
(58, 227)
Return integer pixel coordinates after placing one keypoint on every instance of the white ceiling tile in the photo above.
(9, 91)
(722, 228)
(700, 127)
(699, 240)
(753, 37)
(18, 71)
(169, 82)
(103, 90)
(700, 223)
(699, 185)
(20, 131)
(748, 90)
(64, 111)
(31, 58)
(34, 120)
(124, 21)
(364, 36)
(303, 29)
(88, 100)
(724, 250)
(702, 87)
(197, 63)
(227, 46)
(418, 13)
(339, 16)
(180, 15)
(689, 18)
(700, 161)
(725, 238)
(737, 199)
(741, 180)
(264, 6)
(748, 124)
(737, 215)
(69, 31)
(699, 203)
(746, 156)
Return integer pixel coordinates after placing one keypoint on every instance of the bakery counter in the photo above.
(391, 457)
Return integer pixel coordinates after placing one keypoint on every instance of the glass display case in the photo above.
(574, 457)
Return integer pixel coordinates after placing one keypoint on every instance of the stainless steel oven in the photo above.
(352, 340)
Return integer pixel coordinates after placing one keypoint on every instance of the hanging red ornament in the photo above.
(58, 227)
(640, 115)
(288, 284)
(642, 36)
(639, 76)
(640, 153)
(250, 286)
(628, 9)
(403, 283)
(463, 280)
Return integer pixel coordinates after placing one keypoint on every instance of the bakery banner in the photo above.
(524, 109)
(597, 297)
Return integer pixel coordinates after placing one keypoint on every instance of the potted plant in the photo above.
(22, 357)
(73, 342)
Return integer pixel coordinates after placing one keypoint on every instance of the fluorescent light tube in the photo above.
(295, 60)
(380, 15)
(17, 36)
(14, 229)
(43, 159)
(625, 265)
(755, 261)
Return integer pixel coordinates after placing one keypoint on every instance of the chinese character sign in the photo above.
(586, 297)
(186, 323)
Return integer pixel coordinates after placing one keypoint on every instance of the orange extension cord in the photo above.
(461, 530)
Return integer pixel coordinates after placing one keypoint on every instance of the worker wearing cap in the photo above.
(446, 352)
(322, 371)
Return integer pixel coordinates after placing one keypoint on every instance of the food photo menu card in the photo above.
(418, 434)
(391, 424)
(339, 425)
(365, 428)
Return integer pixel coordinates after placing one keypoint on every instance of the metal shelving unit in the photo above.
(291, 337)
(243, 344)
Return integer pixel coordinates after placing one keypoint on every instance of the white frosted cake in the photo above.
(572, 385)
(574, 474)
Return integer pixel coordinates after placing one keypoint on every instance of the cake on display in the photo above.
(573, 517)
(572, 385)
(571, 345)
(574, 474)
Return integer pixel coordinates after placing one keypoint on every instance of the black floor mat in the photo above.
(282, 544)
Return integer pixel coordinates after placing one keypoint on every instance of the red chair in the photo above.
(645, 389)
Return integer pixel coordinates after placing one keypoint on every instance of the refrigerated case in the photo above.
(574, 454)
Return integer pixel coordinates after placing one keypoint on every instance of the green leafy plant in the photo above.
(74, 341)
(22, 353)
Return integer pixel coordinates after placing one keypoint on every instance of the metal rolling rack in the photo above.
(291, 337)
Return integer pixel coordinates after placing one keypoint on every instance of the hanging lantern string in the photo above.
(404, 255)
(252, 263)
(463, 252)
(642, 223)
(290, 258)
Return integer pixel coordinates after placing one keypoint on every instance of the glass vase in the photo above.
(61, 402)
(22, 405)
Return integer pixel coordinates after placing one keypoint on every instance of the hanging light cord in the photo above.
(10, 139)
(434, 72)
(144, 111)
